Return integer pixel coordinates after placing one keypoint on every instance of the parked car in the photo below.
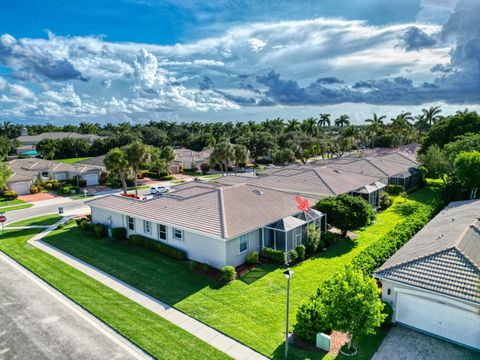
(156, 190)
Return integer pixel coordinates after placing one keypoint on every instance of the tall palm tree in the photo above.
(309, 126)
(431, 114)
(342, 120)
(293, 125)
(405, 116)
(376, 124)
(324, 120)
(136, 154)
(116, 163)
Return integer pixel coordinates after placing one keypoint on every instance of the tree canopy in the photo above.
(467, 171)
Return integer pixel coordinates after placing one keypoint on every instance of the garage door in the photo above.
(61, 176)
(91, 179)
(21, 188)
(439, 319)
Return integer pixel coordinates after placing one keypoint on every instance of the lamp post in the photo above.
(288, 275)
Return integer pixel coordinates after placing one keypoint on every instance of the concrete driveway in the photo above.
(37, 322)
(406, 344)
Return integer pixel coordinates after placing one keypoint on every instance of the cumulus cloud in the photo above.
(414, 38)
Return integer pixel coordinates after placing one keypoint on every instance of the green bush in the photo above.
(119, 233)
(300, 249)
(328, 239)
(66, 190)
(385, 201)
(86, 225)
(394, 189)
(157, 246)
(78, 221)
(293, 256)
(313, 238)
(387, 309)
(168, 177)
(192, 265)
(252, 258)
(276, 256)
(310, 320)
(60, 226)
(10, 195)
(48, 186)
(206, 267)
(376, 254)
(228, 273)
(100, 230)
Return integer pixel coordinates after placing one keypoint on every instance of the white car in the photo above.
(156, 190)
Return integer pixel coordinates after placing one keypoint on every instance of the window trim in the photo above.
(128, 223)
(162, 232)
(174, 230)
(145, 222)
(240, 251)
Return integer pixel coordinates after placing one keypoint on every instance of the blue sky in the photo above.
(140, 60)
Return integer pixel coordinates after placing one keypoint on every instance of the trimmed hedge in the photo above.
(119, 233)
(165, 249)
(228, 274)
(252, 258)
(10, 195)
(377, 253)
(100, 230)
(276, 256)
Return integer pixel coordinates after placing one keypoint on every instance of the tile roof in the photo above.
(224, 211)
(95, 161)
(56, 136)
(444, 256)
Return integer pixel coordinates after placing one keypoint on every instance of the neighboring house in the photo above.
(433, 281)
(26, 171)
(190, 159)
(28, 143)
(215, 224)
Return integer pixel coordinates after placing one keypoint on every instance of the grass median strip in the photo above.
(149, 331)
(16, 207)
(252, 312)
(44, 220)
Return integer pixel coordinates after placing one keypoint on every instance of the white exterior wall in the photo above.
(199, 247)
(234, 256)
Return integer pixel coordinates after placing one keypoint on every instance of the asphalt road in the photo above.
(36, 322)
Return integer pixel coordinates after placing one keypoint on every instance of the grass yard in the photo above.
(154, 334)
(251, 311)
(16, 207)
(38, 221)
(5, 202)
(72, 160)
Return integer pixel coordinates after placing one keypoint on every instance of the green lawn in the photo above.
(154, 334)
(5, 202)
(17, 207)
(37, 221)
(250, 311)
(72, 160)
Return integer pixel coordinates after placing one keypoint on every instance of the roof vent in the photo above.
(258, 192)
(337, 171)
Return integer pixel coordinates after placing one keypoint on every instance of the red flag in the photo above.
(302, 203)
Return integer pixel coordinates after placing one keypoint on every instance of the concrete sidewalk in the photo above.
(211, 336)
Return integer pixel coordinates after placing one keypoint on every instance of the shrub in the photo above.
(385, 201)
(328, 239)
(252, 258)
(34, 190)
(313, 238)
(192, 265)
(394, 189)
(205, 267)
(119, 233)
(60, 226)
(205, 168)
(100, 230)
(168, 177)
(292, 255)
(66, 190)
(276, 256)
(228, 273)
(387, 310)
(157, 246)
(10, 195)
(300, 249)
(103, 178)
(48, 186)
(311, 320)
(86, 225)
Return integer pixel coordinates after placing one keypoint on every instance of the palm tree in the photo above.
(136, 154)
(240, 155)
(376, 123)
(116, 164)
(342, 120)
(431, 114)
(324, 120)
(222, 154)
(293, 125)
(406, 116)
(462, 112)
(309, 126)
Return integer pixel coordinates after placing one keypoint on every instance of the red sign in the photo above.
(302, 203)
(3, 218)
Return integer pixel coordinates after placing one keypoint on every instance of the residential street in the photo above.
(38, 323)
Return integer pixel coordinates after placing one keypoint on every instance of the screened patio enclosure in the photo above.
(287, 233)
(371, 193)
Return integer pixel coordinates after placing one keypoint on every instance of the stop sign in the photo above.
(3, 218)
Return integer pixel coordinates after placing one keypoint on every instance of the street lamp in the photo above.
(288, 275)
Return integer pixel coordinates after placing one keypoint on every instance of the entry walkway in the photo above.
(204, 332)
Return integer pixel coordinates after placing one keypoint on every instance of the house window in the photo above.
(131, 223)
(177, 234)
(243, 243)
(147, 227)
(45, 174)
(162, 232)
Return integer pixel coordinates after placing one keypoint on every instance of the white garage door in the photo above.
(442, 320)
(61, 176)
(91, 179)
(21, 188)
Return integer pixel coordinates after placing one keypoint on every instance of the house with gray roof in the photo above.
(29, 142)
(26, 171)
(216, 224)
(433, 281)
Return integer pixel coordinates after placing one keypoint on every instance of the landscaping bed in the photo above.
(249, 311)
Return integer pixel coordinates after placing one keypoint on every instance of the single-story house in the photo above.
(98, 161)
(28, 143)
(191, 159)
(26, 171)
(433, 281)
(215, 224)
